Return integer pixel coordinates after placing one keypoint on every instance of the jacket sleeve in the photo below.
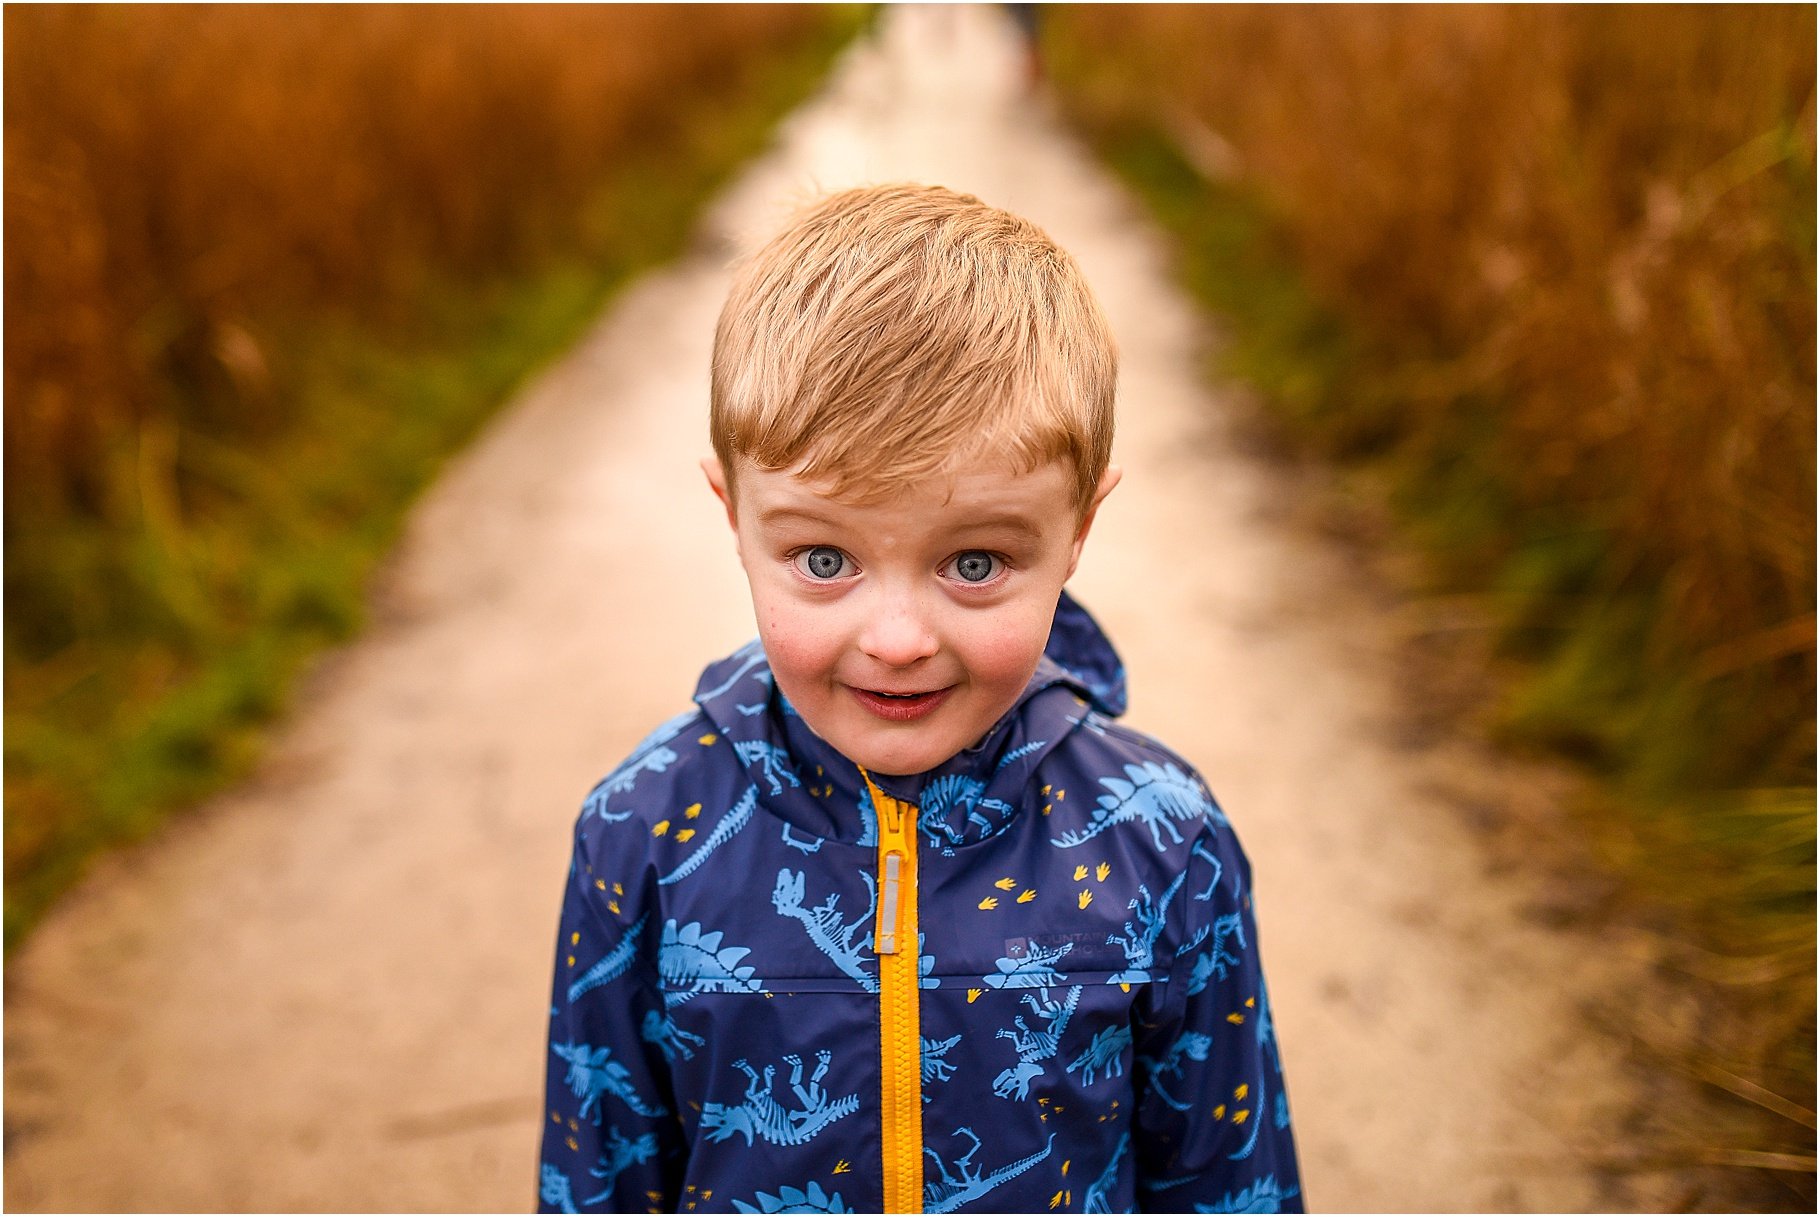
(611, 1140)
(1213, 1121)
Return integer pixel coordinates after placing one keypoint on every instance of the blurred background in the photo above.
(265, 268)
(1538, 281)
(1541, 280)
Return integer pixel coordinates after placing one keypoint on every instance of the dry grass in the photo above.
(265, 269)
(1554, 275)
(178, 175)
(1603, 217)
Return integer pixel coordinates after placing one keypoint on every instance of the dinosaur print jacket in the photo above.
(1025, 981)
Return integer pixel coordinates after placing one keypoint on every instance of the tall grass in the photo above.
(176, 174)
(265, 267)
(1550, 270)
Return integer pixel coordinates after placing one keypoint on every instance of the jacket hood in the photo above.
(972, 796)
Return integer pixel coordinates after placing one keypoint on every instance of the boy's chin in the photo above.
(897, 763)
(901, 757)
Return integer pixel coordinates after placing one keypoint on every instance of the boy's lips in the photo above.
(900, 707)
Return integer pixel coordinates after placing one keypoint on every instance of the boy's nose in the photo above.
(897, 637)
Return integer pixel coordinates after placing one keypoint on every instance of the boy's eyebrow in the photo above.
(1023, 525)
(785, 515)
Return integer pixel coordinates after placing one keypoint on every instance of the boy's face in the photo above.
(902, 630)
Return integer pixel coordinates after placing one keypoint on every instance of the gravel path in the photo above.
(327, 990)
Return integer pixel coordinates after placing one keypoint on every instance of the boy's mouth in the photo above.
(900, 707)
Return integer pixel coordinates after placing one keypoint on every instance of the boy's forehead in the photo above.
(993, 491)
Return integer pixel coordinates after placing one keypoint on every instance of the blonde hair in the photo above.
(891, 331)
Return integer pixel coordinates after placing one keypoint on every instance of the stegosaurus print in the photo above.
(956, 791)
(594, 1073)
(1073, 904)
(1157, 796)
(1104, 1057)
(690, 962)
(811, 1199)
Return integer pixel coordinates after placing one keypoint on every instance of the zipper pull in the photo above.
(893, 849)
(889, 883)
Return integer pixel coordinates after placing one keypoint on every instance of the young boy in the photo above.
(897, 919)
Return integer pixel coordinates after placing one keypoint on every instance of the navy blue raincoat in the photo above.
(1026, 981)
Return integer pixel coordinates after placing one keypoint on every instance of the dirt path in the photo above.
(327, 990)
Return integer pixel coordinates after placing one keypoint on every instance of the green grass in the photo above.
(149, 650)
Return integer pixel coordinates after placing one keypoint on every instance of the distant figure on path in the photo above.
(1028, 19)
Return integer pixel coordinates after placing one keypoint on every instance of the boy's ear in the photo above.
(717, 482)
(1108, 480)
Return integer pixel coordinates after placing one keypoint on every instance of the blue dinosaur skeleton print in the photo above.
(761, 1115)
(671, 1040)
(554, 1191)
(1094, 1034)
(811, 1199)
(1191, 1047)
(934, 1067)
(611, 966)
(1264, 1196)
(737, 817)
(1217, 959)
(1156, 796)
(773, 762)
(593, 1073)
(1099, 1193)
(1034, 1046)
(956, 792)
(843, 942)
(1140, 944)
(1036, 969)
(961, 1182)
(620, 1154)
(1104, 1057)
(650, 756)
(690, 962)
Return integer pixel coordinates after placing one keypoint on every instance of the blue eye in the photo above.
(976, 566)
(822, 562)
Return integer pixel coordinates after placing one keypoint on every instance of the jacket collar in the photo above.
(972, 796)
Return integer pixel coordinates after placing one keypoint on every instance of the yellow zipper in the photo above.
(899, 1024)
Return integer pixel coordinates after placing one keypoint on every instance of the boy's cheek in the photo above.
(792, 650)
(1007, 651)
